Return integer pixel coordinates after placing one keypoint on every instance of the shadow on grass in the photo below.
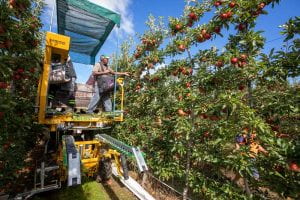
(68, 193)
(110, 192)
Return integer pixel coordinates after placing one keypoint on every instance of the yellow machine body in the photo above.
(90, 150)
(60, 44)
(91, 153)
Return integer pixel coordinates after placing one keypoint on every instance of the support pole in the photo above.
(116, 70)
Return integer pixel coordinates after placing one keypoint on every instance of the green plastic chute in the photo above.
(87, 24)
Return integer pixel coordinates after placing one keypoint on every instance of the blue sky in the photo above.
(134, 13)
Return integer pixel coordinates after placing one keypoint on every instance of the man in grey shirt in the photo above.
(102, 69)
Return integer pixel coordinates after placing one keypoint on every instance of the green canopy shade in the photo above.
(87, 24)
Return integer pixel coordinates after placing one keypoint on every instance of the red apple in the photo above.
(223, 16)
(241, 27)
(20, 70)
(12, 3)
(181, 69)
(32, 69)
(214, 118)
(275, 128)
(144, 41)
(193, 16)
(201, 90)
(3, 85)
(282, 135)
(33, 26)
(8, 44)
(234, 60)
(294, 167)
(229, 14)
(2, 45)
(35, 43)
(22, 7)
(217, 3)
(279, 168)
(207, 36)
(2, 29)
(178, 27)
(232, 4)
(181, 112)
(137, 55)
(243, 57)
(188, 112)
(154, 42)
(155, 60)
(188, 85)
(175, 73)
(16, 77)
(190, 23)
(217, 29)
(206, 134)
(242, 64)
(156, 78)
(256, 13)
(219, 63)
(1, 115)
(200, 38)
(150, 65)
(203, 31)
(261, 5)
(203, 116)
(241, 87)
(181, 47)
(6, 146)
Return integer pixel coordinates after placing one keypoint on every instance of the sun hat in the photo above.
(104, 56)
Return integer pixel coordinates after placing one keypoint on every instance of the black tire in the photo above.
(105, 169)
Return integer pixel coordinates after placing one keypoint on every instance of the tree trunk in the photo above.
(250, 99)
(189, 146)
(248, 191)
(187, 170)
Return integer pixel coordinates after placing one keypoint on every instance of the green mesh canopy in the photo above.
(87, 24)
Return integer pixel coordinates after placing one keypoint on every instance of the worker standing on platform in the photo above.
(101, 71)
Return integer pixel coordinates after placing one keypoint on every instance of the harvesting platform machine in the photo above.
(79, 144)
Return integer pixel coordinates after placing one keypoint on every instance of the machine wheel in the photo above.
(105, 169)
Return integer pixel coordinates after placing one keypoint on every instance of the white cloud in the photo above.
(157, 67)
(121, 7)
(46, 15)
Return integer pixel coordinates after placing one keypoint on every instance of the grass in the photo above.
(89, 190)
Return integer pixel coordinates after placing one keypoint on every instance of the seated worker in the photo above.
(101, 69)
(69, 87)
(62, 83)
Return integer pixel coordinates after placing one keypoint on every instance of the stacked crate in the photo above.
(83, 95)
